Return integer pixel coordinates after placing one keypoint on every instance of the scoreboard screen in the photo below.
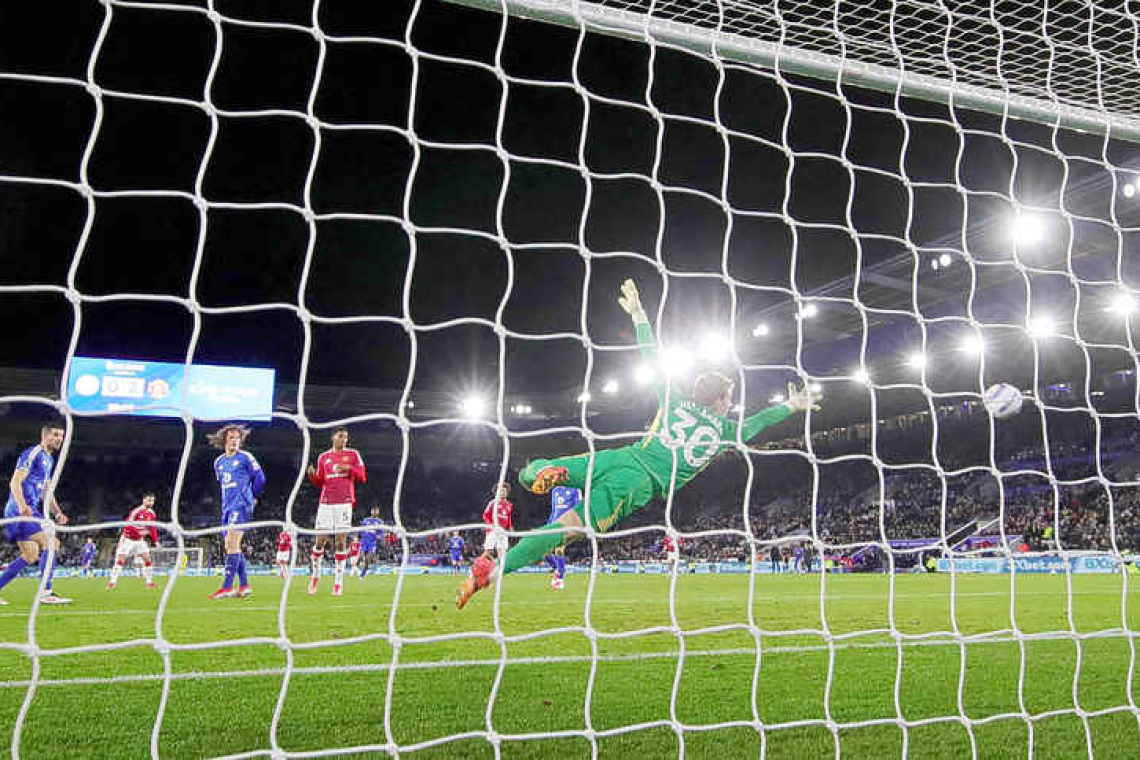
(165, 389)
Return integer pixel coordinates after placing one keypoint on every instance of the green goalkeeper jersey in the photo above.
(687, 432)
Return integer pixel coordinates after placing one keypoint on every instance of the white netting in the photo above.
(752, 141)
(168, 560)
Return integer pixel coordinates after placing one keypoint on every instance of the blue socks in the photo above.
(231, 568)
(15, 568)
(242, 576)
(557, 563)
(47, 571)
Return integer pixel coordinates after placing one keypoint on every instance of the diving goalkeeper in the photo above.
(686, 435)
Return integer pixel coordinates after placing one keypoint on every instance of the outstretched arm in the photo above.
(799, 400)
(630, 300)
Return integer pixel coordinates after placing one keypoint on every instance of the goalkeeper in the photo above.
(686, 435)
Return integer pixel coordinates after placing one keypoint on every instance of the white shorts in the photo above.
(352, 558)
(673, 556)
(495, 541)
(283, 557)
(332, 517)
(129, 548)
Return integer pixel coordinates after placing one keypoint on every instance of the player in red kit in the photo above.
(133, 543)
(337, 472)
(672, 547)
(499, 514)
(284, 549)
(353, 554)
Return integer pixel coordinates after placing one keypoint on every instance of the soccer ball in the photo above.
(1002, 400)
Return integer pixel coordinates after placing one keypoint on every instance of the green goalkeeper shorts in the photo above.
(619, 485)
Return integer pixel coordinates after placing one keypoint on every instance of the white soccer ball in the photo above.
(1002, 400)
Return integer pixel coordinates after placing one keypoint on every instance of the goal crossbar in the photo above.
(731, 36)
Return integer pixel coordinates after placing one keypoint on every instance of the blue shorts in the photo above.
(368, 549)
(456, 556)
(237, 517)
(22, 530)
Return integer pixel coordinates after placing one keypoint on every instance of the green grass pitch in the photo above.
(222, 698)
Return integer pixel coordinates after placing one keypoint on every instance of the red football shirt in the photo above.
(284, 542)
(499, 512)
(338, 472)
(139, 532)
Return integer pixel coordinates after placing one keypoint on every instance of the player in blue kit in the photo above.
(455, 546)
(562, 500)
(87, 557)
(242, 480)
(26, 492)
(371, 531)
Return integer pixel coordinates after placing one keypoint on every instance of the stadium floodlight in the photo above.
(973, 344)
(917, 360)
(1041, 327)
(861, 375)
(1129, 190)
(945, 260)
(809, 311)
(777, 398)
(1123, 304)
(410, 405)
(521, 409)
(611, 386)
(1027, 228)
(934, 264)
(714, 347)
(760, 330)
(584, 396)
(643, 374)
(472, 407)
(675, 361)
(815, 387)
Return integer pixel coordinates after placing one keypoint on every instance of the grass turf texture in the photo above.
(222, 699)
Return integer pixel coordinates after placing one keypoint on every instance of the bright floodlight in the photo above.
(809, 311)
(1122, 303)
(714, 347)
(945, 260)
(675, 361)
(973, 345)
(472, 407)
(611, 386)
(934, 264)
(860, 375)
(1028, 229)
(815, 387)
(1129, 190)
(643, 374)
(760, 330)
(1041, 327)
(777, 398)
(917, 360)
(583, 397)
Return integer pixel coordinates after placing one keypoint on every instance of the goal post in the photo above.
(166, 559)
(899, 286)
(895, 47)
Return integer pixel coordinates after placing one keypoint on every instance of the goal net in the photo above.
(420, 214)
(169, 560)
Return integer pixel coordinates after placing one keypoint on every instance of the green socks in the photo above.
(533, 548)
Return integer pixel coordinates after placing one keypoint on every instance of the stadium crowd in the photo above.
(847, 497)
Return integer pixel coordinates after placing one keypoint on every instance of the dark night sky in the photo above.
(361, 267)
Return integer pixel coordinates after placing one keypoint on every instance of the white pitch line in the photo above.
(563, 659)
(231, 606)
